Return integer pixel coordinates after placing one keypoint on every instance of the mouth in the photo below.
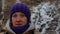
(19, 24)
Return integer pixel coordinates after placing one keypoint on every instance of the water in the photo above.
(46, 18)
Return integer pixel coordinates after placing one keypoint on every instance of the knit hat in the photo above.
(20, 7)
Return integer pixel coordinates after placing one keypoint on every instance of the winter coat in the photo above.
(30, 30)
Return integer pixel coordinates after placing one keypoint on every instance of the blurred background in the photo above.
(5, 5)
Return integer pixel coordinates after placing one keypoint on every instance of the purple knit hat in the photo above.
(20, 7)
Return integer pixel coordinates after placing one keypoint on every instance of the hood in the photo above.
(10, 30)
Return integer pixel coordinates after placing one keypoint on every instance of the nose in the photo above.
(18, 19)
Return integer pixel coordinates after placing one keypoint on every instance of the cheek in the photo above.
(24, 20)
(13, 20)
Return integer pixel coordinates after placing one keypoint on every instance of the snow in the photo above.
(45, 9)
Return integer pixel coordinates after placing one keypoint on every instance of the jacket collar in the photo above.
(10, 30)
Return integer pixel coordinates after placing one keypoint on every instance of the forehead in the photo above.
(18, 13)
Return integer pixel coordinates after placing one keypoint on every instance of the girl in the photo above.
(19, 22)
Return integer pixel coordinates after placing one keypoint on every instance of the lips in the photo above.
(18, 24)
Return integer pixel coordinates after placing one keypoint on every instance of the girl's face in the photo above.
(19, 19)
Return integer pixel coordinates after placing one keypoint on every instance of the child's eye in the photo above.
(22, 15)
(14, 15)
